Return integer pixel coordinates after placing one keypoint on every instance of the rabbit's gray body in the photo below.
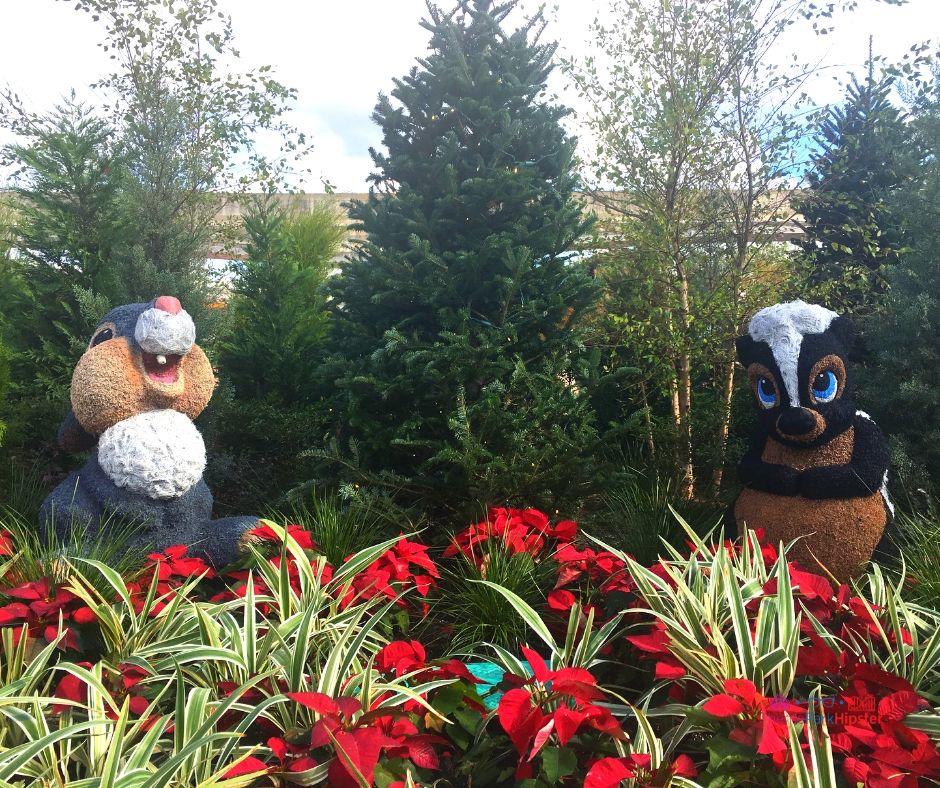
(88, 498)
(134, 394)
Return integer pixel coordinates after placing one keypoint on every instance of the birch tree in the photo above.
(696, 119)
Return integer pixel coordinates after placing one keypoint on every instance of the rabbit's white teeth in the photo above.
(162, 368)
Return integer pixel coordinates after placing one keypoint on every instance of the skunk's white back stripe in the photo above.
(884, 494)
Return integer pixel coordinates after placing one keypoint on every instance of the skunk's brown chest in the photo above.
(839, 533)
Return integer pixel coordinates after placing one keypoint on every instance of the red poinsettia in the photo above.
(598, 572)
(761, 721)
(846, 616)
(400, 657)
(866, 713)
(40, 605)
(174, 563)
(265, 533)
(124, 683)
(395, 571)
(552, 702)
(170, 569)
(866, 724)
(357, 739)
(292, 757)
(518, 530)
(6, 543)
(238, 578)
(249, 765)
(656, 644)
(70, 687)
(609, 772)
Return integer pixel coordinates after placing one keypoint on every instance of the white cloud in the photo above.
(340, 55)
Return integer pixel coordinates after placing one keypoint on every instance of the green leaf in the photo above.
(12, 760)
(558, 762)
(448, 698)
(722, 751)
(528, 615)
(109, 770)
(467, 719)
(820, 744)
(726, 780)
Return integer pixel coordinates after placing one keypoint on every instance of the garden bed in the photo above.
(714, 666)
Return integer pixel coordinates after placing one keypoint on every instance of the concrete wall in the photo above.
(606, 205)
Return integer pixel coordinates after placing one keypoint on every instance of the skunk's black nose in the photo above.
(796, 421)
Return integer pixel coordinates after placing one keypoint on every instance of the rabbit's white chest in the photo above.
(159, 454)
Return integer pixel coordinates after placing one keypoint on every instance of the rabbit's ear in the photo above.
(73, 437)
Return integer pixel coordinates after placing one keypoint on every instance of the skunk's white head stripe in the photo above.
(782, 327)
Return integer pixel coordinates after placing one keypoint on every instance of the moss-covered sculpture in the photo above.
(134, 394)
(817, 468)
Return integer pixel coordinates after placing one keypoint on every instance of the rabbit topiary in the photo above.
(134, 394)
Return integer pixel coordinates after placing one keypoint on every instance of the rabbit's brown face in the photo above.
(141, 357)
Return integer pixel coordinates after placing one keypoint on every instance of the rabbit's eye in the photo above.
(102, 336)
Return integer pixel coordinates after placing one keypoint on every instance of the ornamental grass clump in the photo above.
(178, 676)
(921, 550)
(747, 645)
(513, 549)
(721, 664)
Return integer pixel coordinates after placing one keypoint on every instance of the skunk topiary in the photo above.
(817, 468)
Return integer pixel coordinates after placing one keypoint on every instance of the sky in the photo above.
(340, 55)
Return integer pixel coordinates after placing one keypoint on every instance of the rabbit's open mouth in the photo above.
(160, 368)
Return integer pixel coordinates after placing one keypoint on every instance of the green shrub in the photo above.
(269, 409)
(276, 320)
(469, 613)
(343, 527)
(459, 331)
(638, 515)
(919, 542)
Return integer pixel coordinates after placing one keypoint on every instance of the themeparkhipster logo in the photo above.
(831, 709)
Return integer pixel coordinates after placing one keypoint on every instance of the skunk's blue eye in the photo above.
(825, 386)
(766, 393)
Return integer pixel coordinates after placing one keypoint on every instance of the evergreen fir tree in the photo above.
(268, 408)
(276, 321)
(459, 322)
(865, 153)
(900, 386)
(82, 249)
(65, 230)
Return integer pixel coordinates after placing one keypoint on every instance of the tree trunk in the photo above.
(650, 442)
(684, 385)
(724, 427)
(676, 410)
(676, 406)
